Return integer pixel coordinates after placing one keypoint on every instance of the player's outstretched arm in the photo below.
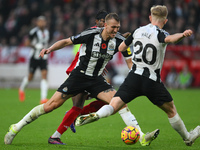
(122, 47)
(174, 38)
(58, 45)
(126, 34)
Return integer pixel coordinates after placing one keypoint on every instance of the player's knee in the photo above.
(77, 104)
(79, 100)
(117, 104)
(30, 78)
(47, 109)
(125, 106)
(51, 105)
(171, 112)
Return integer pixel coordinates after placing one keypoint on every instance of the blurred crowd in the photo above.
(69, 17)
(182, 79)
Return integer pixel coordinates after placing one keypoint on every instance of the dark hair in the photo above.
(101, 14)
(112, 16)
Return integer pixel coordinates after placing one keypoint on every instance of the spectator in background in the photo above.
(38, 39)
(184, 78)
(73, 14)
(171, 79)
(2, 28)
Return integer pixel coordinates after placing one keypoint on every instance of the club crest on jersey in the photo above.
(65, 89)
(111, 47)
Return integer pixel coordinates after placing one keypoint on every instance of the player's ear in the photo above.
(96, 22)
(166, 21)
(105, 24)
(150, 18)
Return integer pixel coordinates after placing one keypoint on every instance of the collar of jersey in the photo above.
(101, 36)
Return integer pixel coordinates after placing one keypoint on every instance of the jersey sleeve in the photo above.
(129, 40)
(32, 33)
(82, 37)
(162, 35)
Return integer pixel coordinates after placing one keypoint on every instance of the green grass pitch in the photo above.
(101, 135)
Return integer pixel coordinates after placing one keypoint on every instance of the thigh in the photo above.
(55, 101)
(106, 95)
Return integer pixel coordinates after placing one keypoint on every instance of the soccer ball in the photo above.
(130, 135)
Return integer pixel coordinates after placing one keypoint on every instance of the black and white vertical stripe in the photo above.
(148, 51)
(38, 39)
(95, 52)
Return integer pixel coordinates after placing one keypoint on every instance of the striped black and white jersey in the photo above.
(95, 52)
(148, 50)
(39, 39)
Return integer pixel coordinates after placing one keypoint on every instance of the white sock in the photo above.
(44, 89)
(179, 126)
(31, 116)
(129, 119)
(24, 83)
(56, 135)
(105, 111)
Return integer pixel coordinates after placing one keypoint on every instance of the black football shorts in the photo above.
(78, 83)
(37, 63)
(137, 85)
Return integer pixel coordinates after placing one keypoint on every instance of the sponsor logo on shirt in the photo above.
(96, 44)
(99, 55)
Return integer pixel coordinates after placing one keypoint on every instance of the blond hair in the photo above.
(112, 16)
(159, 12)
